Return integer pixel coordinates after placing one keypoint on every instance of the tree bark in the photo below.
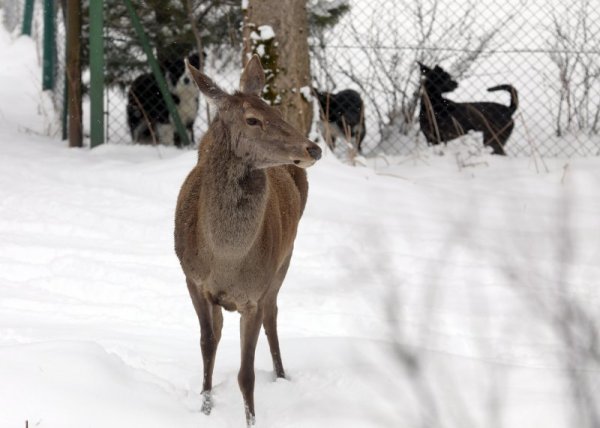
(284, 57)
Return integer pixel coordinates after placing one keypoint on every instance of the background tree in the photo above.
(177, 27)
(277, 30)
(174, 27)
(383, 61)
(323, 15)
(576, 77)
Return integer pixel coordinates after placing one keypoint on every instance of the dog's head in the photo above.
(181, 85)
(175, 71)
(329, 105)
(437, 79)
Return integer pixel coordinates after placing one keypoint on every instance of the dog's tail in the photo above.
(514, 96)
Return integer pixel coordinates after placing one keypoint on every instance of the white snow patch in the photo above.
(306, 92)
(265, 32)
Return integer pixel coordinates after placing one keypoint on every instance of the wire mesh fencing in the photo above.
(389, 76)
(373, 60)
(50, 48)
(206, 33)
(12, 14)
(424, 69)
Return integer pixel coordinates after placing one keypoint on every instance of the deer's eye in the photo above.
(252, 121)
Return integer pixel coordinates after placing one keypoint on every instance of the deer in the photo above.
(236, 221)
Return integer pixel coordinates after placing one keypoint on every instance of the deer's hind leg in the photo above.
(270, 325)
(270, 320)
(250, 322)
(211, 322)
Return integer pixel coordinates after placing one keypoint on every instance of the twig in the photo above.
(564, 175)
(146, 119)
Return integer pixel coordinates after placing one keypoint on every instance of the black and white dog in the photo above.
(342, 115)
(147, 114)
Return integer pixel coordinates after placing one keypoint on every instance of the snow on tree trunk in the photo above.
(277, 30)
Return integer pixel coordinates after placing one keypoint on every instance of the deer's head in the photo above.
(259, 134)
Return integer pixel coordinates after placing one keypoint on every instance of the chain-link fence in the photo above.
(13, 18)
(12, 14)
(548, 52)
(391, 76)
(206, 32)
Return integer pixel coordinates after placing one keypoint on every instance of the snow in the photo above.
(306, 92)
(265, 32)
(423, 291)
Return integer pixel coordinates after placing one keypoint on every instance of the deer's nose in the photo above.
(314, 151)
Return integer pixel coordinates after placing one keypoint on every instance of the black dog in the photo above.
(342, 115)
(442, 119)
(147, 114)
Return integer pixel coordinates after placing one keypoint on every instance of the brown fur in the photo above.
(236, 221)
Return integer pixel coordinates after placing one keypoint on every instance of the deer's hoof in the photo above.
(206, 403)
(250, 420)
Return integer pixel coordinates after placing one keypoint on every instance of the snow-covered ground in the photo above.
(427, 291)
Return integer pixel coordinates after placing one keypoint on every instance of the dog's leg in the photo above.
(327, 133)
(165, 134)
(495, 139)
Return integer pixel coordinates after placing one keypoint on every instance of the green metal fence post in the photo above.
(96, 73)
(49, 43)
(27, 17)
(162, 84)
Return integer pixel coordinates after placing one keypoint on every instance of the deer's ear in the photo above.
(253, 77)
(209, 88)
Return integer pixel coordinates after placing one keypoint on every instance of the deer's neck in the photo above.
(237, 197)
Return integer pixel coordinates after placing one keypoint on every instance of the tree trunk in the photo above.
(284, 56)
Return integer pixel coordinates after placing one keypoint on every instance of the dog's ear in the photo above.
(424, 68)
(194, 59)
(315, 92)
(324, 98)
(438, 69)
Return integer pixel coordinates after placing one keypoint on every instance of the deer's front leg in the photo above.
(209, 339)
(250, 323)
